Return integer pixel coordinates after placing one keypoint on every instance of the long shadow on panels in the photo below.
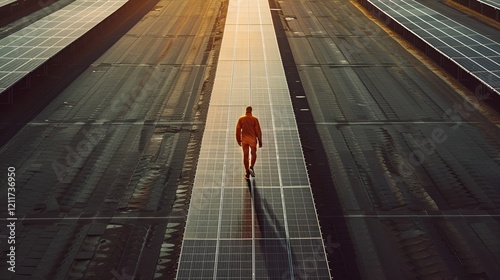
(272, 248)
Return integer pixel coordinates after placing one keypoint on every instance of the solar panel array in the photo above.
(492, 3)
(6, 2)
(229, 233)
(474, 52)
(27, 49)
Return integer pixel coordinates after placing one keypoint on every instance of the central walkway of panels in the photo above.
(267, 229)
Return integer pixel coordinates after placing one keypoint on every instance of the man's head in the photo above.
(249, 109)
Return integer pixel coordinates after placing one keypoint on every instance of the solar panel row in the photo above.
(230, 233)
(6, 2)
(474, 52)
(492, 3)
(27, 49)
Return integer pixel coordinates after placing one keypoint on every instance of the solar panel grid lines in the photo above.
(475, 53)
(421, 12)
(440, 22)
(7, 2)
(492, 3)
(28, 48)
(263, 230)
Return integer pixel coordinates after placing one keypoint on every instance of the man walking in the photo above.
(248, 135)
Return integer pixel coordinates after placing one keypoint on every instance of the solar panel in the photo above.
(6, 2)
(474, 52)
(274, 231)
(492, 3)
(45, 38)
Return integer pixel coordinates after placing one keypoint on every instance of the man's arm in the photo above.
(259, 132)
(238, 132)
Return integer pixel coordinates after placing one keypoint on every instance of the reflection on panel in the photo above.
(26, 49)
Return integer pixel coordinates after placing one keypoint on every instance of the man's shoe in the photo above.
(251, 171)
(247, 176)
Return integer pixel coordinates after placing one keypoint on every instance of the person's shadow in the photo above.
(273, 251)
